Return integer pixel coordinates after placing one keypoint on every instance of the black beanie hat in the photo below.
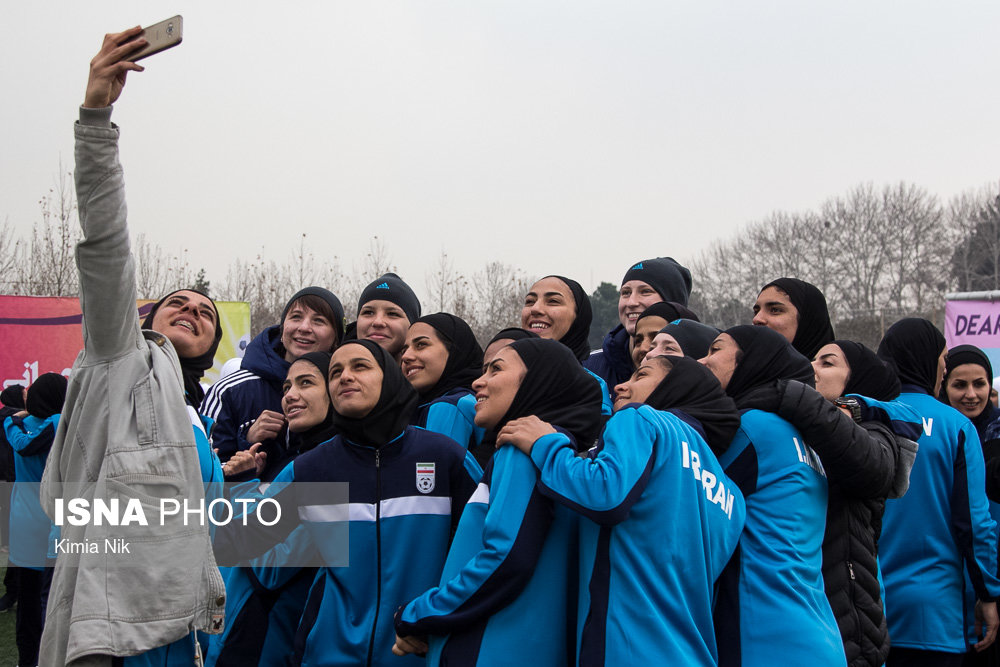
(390, 287)
(671, 280)
(331, 300)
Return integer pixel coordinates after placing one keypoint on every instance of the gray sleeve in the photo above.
(103, 256)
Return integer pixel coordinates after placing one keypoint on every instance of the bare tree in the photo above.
(48, 267)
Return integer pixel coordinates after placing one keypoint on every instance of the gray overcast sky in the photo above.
(560, 137)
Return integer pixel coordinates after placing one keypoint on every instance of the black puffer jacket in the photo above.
(860, 462)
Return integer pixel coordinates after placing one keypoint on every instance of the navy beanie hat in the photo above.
(671, 280)
(390, 287)
(330, 298)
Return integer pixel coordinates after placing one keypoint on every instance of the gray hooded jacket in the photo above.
(125, 433)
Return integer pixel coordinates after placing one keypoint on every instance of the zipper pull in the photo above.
(376, 458)
(850, 566)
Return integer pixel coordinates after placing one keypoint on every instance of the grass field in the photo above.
(8, 649)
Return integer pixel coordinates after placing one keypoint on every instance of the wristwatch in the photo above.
(851, 405)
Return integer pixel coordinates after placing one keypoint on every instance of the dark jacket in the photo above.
(860, 461)
(235, 401)
(613, 362)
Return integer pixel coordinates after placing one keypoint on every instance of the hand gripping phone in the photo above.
(160, 37)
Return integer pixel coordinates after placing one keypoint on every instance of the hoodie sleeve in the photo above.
(605, 487)
(517, 520)
(103, 255)
(860, 458)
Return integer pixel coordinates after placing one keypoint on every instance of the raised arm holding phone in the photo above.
(129, 429)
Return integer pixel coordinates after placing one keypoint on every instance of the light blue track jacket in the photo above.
(663, 519)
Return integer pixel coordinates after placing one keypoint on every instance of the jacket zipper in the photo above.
(378, 553)
(858, 637)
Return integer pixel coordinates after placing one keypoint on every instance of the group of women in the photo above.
(683, 495)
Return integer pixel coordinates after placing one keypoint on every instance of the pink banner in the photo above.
(972, 323)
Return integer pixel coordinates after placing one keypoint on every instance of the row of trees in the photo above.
(877, 253)
(42, 264)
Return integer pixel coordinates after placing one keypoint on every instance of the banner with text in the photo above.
(974, 323)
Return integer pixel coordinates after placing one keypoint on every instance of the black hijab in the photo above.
(912, 346)
(766, 357)
(192, 368)
(557, 390)
(814, 329)
(694, 337)
(324, 430)
(577, 338)
(970, 354)
(465, 357)
(664, 310)
(512, 334)
(13, 396)
(391, 413)
(869, 376)
(692, 389)
(46, 395)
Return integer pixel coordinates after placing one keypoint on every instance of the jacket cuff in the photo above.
(100, 117)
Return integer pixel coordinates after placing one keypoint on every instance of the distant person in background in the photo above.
(797, 310)
(11, 402)
(647, 282)
(31, 433)
(941, 529)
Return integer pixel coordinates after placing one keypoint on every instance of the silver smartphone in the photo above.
(160, 37)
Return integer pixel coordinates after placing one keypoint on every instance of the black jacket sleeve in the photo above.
(859, 458)
(991, 452)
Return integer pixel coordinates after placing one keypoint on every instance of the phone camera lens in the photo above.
(170, 28)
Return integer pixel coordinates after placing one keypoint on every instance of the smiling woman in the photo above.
(558, 308)
(441, 358)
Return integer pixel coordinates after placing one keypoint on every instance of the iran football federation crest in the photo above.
(425, 477)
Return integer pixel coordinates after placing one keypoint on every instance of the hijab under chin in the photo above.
(869, 376)
(970, 354)
(46, 395)
(465, 357)
(766, 358)
(692, 389)
(324, 430)
(912, 346)
(392, 412)
(556, 389)
(814, 329)
(192, 368)
(577, 338)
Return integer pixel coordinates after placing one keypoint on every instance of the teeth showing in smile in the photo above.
(539, 325)
(184, 323)
(413, 370)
